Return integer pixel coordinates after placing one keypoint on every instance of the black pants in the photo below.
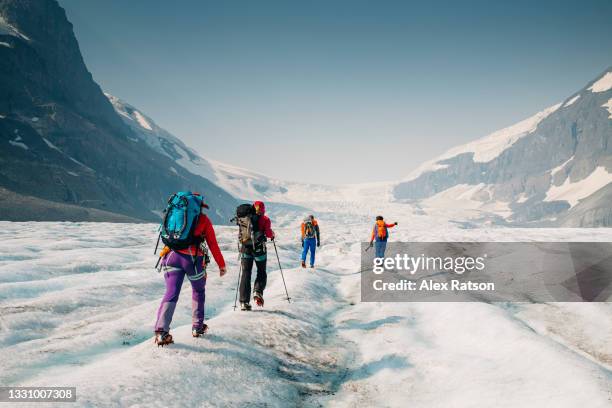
(250, 256)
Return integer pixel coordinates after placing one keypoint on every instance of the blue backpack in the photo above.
(181, 217)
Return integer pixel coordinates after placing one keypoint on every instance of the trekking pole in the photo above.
(239, 273)
(281, 271)
(368, 247)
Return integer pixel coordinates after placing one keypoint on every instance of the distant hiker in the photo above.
(380, 234)
(311, 239)
(254, 228)
(185, 231)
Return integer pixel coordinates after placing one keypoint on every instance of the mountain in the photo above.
(62, 141)
(554, 168)
(245, 184)
(241, 183)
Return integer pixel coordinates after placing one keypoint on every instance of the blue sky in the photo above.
(340, 91)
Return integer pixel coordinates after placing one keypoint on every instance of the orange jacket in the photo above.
(380, 228)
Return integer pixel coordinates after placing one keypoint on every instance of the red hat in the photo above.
(261, 206)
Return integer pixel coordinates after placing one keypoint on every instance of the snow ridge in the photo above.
(488, 147)
(603, 84)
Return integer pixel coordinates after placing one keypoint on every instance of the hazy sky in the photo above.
(340, 91)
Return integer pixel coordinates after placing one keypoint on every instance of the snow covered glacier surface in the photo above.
(77, 304)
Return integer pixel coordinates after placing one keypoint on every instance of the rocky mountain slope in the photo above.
(241, 183)
(61, 139)
(554, 168)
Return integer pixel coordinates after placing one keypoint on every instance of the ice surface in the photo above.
(78, 301)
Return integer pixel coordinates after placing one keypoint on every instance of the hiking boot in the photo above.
(245, 307)
(195, 332)
(163, 338)
(303, 264)
(311, 266)
(258, 298)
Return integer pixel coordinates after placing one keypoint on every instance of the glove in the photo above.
(318, 244)
(302, 243)
(371, 243)
(164, 252)
(395, 222)
(222, 271)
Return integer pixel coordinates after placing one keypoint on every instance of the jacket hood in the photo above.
(261, 206)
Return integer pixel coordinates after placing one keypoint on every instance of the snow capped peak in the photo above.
(488, 147)
(603, 84)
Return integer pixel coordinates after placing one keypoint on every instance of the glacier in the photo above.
(78, 300)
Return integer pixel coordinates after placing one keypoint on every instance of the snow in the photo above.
(17, 143)
(603, 84)
(572, 192)
(197, 166)
(522, 198)
(427, 167)
(239, 182)
(557, 169)
(571, 101)
(142, 121)
(5, 44)
(129, 112)
(51, 145)
(34, 119)
(608, 106)
(8, 29)
(488, 147)
(54, 147)
(469, 198)
(78, 302)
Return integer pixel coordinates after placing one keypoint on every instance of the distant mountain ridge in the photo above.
(241, 183)
(554, 168)
(63, 142)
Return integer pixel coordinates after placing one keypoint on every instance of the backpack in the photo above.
(246, 226)
(309, 229)
(381, 230)
(181, 217)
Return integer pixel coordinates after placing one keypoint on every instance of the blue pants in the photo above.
(310, 244)
(380, 247)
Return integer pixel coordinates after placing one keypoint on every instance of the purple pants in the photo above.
(175, 267)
